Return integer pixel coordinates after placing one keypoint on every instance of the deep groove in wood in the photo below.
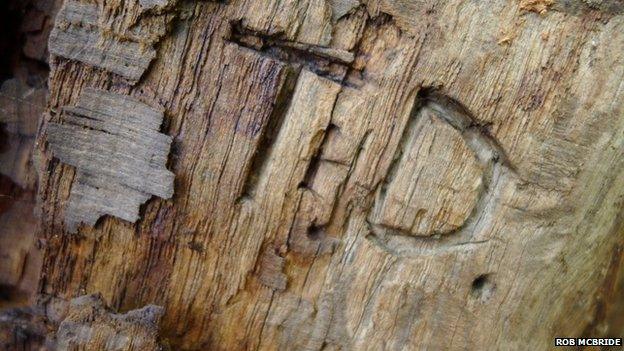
(327, 62)
(262, 155)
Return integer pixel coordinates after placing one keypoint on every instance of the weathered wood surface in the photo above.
(455, 182)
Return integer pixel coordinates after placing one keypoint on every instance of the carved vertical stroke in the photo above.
(264, 150)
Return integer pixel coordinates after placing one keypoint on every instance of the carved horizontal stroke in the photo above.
(324, 61)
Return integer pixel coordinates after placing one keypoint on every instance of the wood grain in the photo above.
(281, 155)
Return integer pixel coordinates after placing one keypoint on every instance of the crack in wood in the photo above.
(489, 155)
(119, 155)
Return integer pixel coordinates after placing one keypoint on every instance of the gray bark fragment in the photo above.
(125, 59)
(90, 324)
(80, 34)
(119, 155)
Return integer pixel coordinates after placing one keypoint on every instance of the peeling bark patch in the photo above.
(119, 155)
(84, 34)
(90, 325)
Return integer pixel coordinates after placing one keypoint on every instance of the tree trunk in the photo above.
(339, 174)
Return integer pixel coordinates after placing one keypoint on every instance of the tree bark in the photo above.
(349, 175)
